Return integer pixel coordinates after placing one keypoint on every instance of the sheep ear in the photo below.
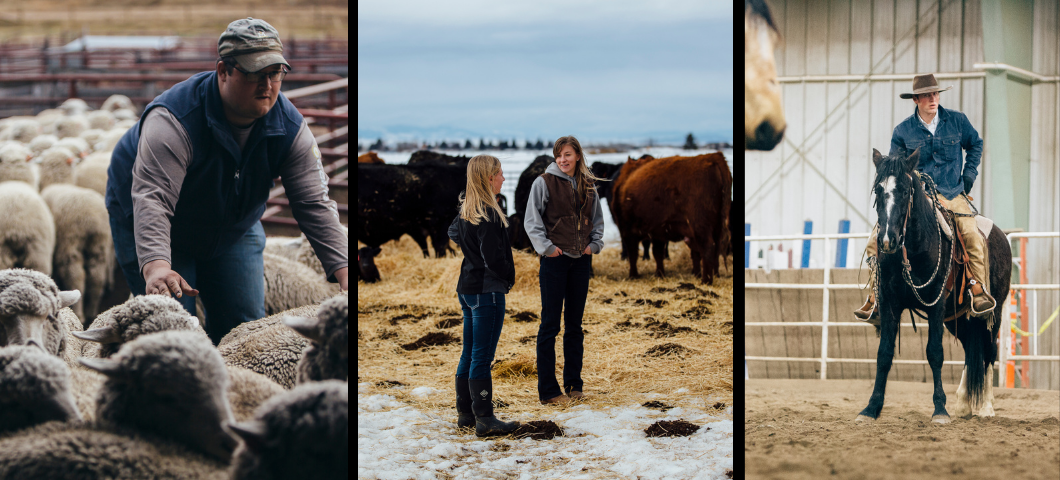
(306, 327)
(99, 335)
(252, 433)
(69, 297)
(107, 367)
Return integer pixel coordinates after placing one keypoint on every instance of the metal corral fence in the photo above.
(1005, 340)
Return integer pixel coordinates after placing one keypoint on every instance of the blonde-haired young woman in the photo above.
(565, 226)
(486, 275)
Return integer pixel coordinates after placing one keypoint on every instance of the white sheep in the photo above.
(86, 382)
(84, 250)
(22, 129)
(328, 355)
(171, 384)
(42, 143)
(298, 249)
(74, 106)
(27, 229)
(92, 136)
(125, 114)
(56, 166)
(109, 140)
(100, 119)
(34, 388)
(92, 171)
(303, 433)
(55, 450)
(115, 102)
(29, 304)
(70, 126)
(156, 313)
(15, 164)
(77, 145)
(290, 284)
(267, 346)
(124, 124)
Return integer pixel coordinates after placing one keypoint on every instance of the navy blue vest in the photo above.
(224, 191)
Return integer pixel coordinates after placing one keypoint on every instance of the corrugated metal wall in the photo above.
(822, 170)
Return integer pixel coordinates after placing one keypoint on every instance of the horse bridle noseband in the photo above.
(906, 267)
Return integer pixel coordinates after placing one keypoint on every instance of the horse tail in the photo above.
(977, 336)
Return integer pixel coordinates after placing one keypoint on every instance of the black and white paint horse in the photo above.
(764, 115)
(913, 263)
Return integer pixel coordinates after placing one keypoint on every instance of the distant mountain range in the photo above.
(404, 133)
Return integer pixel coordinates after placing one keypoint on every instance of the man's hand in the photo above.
(588, 251)
(342, 275)
(162, 280)
(556, 253)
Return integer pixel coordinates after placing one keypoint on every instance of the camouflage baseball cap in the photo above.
(253, 43)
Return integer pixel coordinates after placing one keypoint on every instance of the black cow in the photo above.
(427, 156)
(418, 200)
(520, 241)
(366, 264)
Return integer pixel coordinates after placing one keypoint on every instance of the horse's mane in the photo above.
(759, 8)
(922, 211)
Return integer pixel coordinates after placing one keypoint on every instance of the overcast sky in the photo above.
(599, 70)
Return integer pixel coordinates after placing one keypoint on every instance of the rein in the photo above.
(906, 267)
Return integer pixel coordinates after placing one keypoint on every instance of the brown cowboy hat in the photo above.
(924, 84)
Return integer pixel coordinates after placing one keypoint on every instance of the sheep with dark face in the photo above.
(170, 384)
(34, 388)
(157, 313)
(29, 302)
(303, 433)
(328, 355)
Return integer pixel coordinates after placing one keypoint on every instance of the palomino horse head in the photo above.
(764, 118)
(894, 189)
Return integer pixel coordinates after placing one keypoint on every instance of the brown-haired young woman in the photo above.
(565, 226)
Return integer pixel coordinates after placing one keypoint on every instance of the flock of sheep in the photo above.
(138, 390)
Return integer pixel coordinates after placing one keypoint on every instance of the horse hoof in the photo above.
(864, 419)
(941, 419)
(987, 411)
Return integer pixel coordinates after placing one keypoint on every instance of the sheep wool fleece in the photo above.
(34, 388)
(303, 433)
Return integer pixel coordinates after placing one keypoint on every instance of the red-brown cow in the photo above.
(369, 157)
(672, 199)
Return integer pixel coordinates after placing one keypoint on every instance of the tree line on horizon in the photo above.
(381, 146)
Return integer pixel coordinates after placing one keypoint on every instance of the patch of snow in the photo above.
(396, 441)
(423, 392)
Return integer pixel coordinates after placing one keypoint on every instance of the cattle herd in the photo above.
(653, 201)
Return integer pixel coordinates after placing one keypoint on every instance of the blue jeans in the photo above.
(563, 280)
(483, 319)
(231, 284)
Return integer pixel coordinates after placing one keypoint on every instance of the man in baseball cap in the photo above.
(187, 185)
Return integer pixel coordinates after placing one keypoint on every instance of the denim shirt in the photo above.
(940, 154)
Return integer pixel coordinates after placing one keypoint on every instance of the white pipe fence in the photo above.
(826, 287)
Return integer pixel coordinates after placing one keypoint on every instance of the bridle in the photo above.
(906, 267)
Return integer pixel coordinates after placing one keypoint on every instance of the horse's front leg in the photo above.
(889, 316)
(934, 356)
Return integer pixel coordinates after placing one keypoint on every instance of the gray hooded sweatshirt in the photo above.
(535, 208)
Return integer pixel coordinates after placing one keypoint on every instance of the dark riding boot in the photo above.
(465, 417)
(982, 302)
(482, 404)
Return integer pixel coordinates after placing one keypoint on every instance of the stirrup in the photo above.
(971, 303)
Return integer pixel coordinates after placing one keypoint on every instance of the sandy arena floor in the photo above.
(804, 429)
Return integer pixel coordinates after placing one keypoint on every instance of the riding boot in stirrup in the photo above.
(870, 312)
(982, 302)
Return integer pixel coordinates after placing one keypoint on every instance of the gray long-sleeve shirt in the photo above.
(162, 160)
(535, 226)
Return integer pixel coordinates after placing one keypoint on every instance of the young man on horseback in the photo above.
(940, 134)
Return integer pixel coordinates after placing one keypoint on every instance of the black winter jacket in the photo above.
(488, 266)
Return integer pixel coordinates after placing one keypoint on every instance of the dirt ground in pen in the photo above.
(804, 429)
(627, 324)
